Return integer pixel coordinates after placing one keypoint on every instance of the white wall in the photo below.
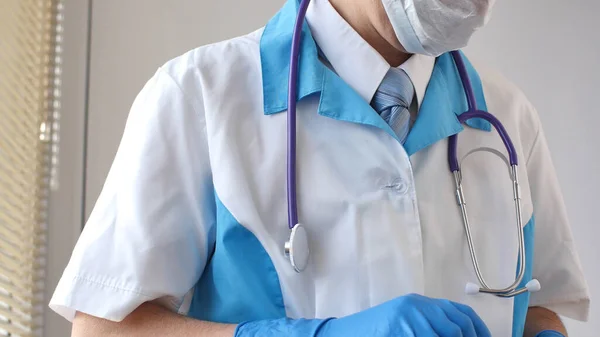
(551, 50)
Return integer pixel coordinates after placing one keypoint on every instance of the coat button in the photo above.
(397, 185)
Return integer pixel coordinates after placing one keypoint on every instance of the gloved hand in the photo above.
(410, 315)
(549, 333)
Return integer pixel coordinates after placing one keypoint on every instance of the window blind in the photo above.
(30, 36)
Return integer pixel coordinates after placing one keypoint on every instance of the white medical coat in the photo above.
(193, 212)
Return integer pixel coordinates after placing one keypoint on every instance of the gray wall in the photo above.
(549, 48)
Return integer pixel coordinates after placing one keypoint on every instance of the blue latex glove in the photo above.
(549, 333)
(410, 315)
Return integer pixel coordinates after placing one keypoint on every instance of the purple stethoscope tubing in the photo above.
(291, 115)
(472, 112)
(296, 249)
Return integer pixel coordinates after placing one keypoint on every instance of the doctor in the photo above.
(187, 236)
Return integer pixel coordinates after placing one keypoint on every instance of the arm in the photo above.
(555, 260)
(395, 317)
(541, 319)
(151, 231)
(149, 320)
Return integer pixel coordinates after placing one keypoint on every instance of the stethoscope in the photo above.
(297, 247)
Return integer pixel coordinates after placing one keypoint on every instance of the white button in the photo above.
(397, 185)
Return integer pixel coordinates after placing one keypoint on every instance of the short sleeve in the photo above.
(151, 230)
(556, 263)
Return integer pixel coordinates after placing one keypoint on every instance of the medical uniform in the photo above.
(193, 212)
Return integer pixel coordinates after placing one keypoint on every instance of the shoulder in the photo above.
(222, 58)
(174, 96)
(241, 48)
(499, 90)
(204, 71)
(509, 103)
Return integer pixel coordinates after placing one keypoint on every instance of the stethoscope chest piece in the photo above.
(296, 249)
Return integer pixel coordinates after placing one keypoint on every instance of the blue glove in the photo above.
(549, 333)
(410, 315)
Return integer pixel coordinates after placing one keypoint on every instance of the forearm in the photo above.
(540, 319)
(149, 320)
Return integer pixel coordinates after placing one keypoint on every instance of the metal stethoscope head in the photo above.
(297, 248)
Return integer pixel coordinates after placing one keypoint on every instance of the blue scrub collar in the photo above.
(437, 119)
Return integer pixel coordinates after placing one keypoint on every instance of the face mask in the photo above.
(433, 27)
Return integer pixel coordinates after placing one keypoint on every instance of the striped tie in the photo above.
(392, 100)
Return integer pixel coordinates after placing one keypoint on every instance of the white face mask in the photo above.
(433, 27)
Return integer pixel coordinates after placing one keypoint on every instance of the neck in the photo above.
(369, 19)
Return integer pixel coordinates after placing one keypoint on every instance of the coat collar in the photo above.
(437, 119)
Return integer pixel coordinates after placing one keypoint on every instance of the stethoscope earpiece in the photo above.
(531, 286)
(471, 288)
